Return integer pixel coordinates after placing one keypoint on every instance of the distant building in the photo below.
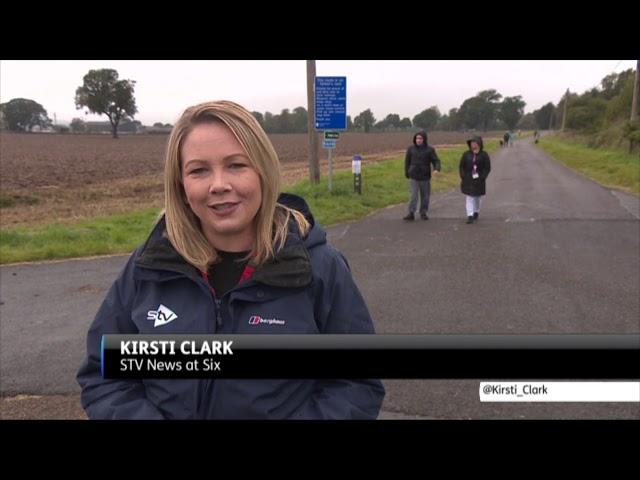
(157, 130)
(123, 127)
(39, 129)
(98, 127)
(130, 127)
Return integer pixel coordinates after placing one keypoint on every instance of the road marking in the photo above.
(344, 232)
(619, 198)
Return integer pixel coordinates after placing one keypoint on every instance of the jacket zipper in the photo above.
(218, 303)
(203, 385)
(208, 384)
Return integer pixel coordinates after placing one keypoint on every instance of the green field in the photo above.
(383, 184)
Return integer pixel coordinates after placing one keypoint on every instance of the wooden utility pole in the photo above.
(314, 164)
(636, 94)
(634, 103)
(564, 113)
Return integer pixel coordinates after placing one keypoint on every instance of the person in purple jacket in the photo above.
(230, 251)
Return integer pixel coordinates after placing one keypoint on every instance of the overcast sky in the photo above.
(165, 88)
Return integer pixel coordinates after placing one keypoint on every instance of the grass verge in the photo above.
(612, 168)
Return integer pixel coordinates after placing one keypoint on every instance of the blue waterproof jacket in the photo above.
(307, 287)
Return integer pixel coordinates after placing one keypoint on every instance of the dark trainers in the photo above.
(409, 217)
(424, 216)
(469, 219)
(475, 216)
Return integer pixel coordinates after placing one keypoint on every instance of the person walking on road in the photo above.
(417, 168)
(474, 168)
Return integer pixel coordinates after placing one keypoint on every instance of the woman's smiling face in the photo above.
(221, 186)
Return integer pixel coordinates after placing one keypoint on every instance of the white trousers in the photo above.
(473, 205)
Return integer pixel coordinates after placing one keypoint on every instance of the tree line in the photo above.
(102, 92)
(482, 112)
(602, 113)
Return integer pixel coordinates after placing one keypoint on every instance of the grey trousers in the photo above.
(424, 187)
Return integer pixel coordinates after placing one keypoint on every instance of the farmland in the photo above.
(46, 177)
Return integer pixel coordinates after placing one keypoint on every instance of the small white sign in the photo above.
(356, 164)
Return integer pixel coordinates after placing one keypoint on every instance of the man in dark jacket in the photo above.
(417, 168)
(475, 166)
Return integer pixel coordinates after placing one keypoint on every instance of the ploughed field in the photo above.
(46, 177)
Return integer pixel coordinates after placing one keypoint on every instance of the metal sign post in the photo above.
(330, 139)
(331, 112)
(330, 169)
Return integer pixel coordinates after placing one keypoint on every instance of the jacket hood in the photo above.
(423, 134)
(478, 140)
(290, 267)
(316, 234)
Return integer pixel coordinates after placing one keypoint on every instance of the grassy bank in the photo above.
(614, 168)
(383, 184)
(99, 236)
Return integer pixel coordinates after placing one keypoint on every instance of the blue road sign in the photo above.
(331, 103)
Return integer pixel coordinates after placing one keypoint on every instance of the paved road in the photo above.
(553, 252)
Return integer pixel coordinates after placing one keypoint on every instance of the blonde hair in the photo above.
(272, 219)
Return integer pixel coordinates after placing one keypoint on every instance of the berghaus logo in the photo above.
(258, 320)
